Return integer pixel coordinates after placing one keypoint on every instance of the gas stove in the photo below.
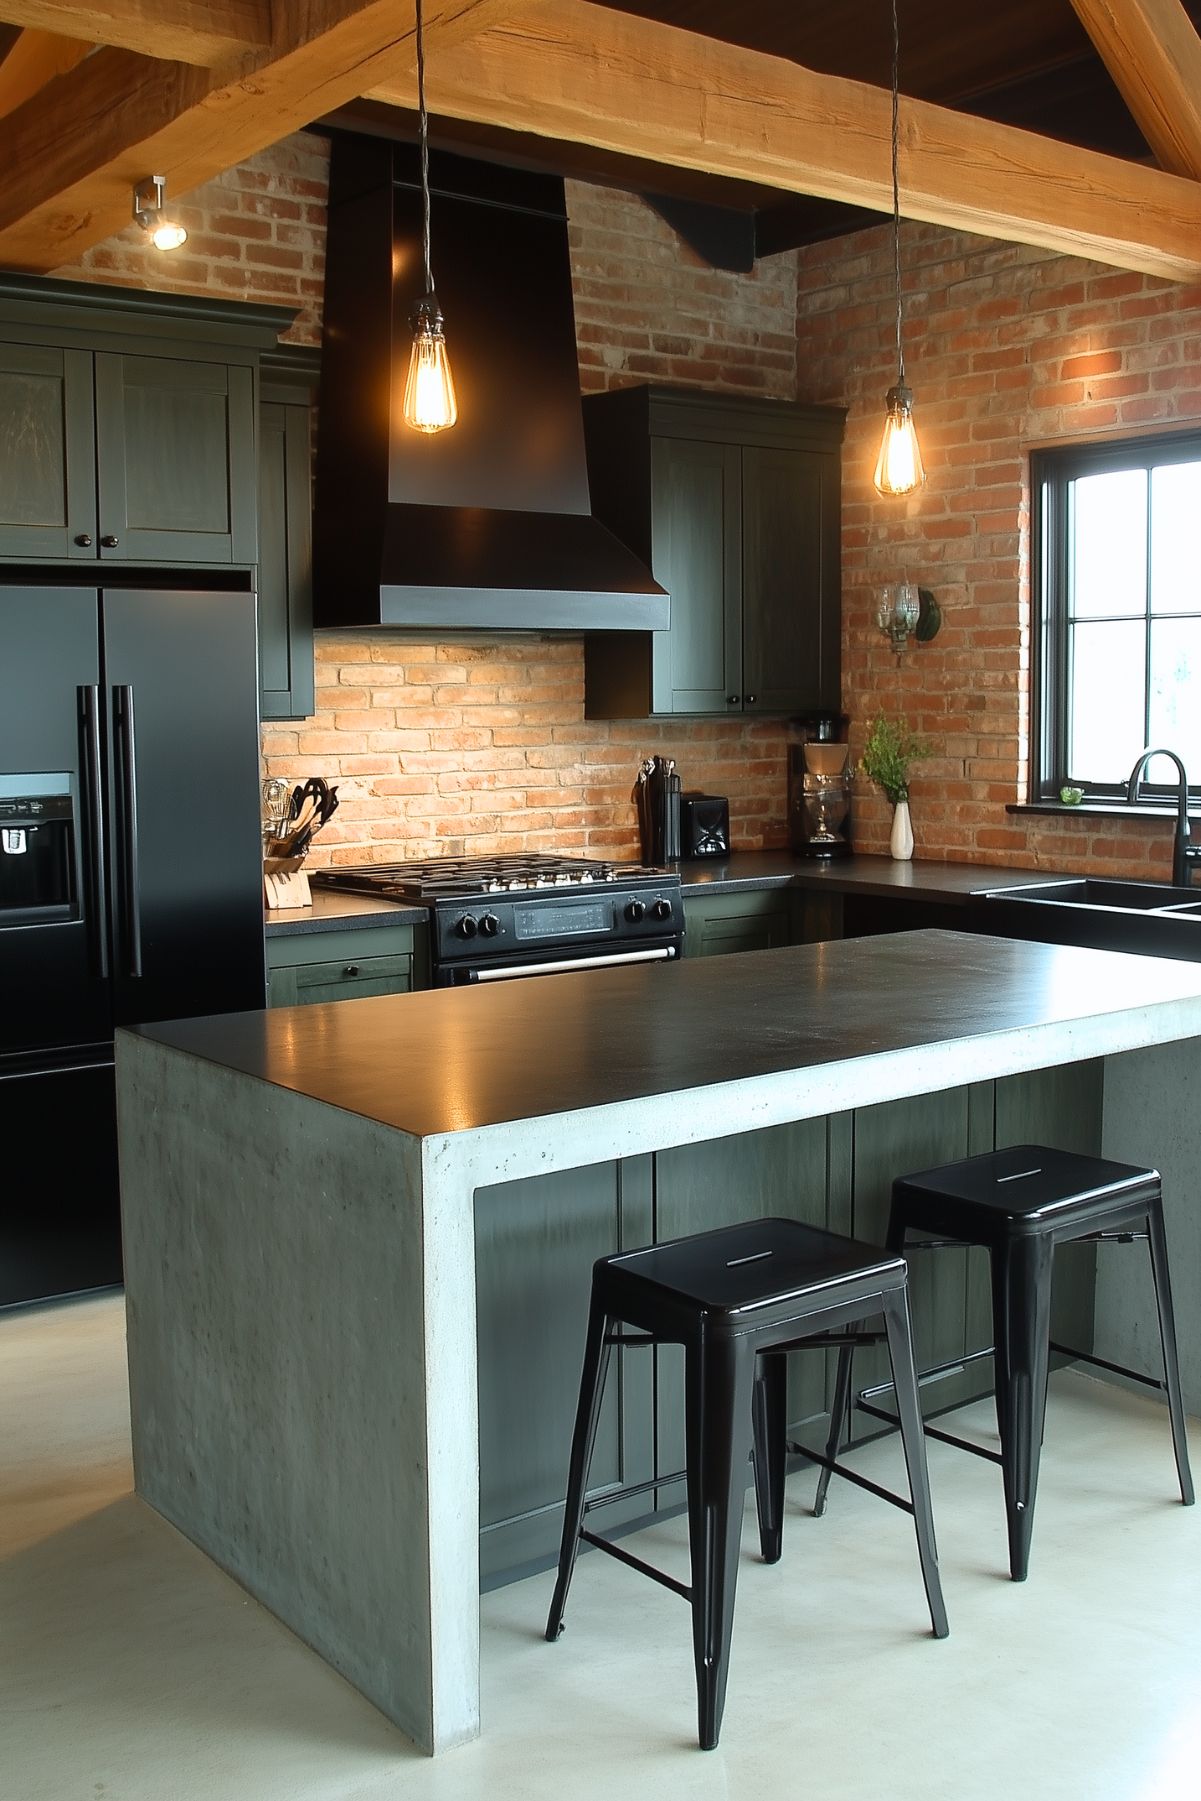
(498, 918)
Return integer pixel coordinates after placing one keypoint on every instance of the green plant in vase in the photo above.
(890, 750)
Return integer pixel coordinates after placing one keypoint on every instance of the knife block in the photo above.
(284, 883)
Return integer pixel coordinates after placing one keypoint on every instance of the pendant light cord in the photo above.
(896, 189)
(423, 127)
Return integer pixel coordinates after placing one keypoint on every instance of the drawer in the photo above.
(343, 980)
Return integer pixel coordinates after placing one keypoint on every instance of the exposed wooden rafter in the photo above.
(73, 153)
(35, 58)
(207, 32)
(584, 73)
(1152, 51)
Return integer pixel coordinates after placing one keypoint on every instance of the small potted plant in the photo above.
(890, 749)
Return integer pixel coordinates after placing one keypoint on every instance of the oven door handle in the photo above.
(509, 972)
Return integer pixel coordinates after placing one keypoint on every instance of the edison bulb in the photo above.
(899, 466)
(429, 401)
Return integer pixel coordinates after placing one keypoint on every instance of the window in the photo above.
(1118, 620)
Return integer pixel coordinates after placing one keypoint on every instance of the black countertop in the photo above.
(742, 872)
(885, 1017)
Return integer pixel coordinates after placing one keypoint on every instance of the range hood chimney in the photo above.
(488, 525)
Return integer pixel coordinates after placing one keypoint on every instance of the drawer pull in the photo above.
(352, 969)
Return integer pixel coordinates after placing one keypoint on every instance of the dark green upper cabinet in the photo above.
(735, 505)
(175, 458)
(127, 424)
(47, 453)
(285, 578)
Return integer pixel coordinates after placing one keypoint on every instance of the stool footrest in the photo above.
(946, 1438)
(634, 1488)
(636, 1563)
(1103, 1363)
(938, 1372)
(837, 1468)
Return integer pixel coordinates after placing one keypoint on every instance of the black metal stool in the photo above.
(1019, 1204)
(728, 1296)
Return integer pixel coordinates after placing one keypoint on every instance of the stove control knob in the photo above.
(662, 909)
(635, 910)
(466, 926)
(489, 925)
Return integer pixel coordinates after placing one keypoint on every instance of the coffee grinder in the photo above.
(819, 788)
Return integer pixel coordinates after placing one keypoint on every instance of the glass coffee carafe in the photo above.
(819, 789)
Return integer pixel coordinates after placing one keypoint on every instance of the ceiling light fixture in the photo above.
(899, 466)
(429, 402)
(149, 199)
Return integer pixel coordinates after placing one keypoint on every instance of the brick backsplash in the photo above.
(481, 743)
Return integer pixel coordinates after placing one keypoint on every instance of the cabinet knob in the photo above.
(109, 541)
(83, 539)
(731, 700)
(352, 969)
(750, 699)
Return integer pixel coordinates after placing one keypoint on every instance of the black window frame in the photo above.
(1051, 472)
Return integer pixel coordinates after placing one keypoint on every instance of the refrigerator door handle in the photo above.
(89, 711)
(131, 889)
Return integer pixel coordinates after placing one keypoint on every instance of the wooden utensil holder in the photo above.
(284, 883)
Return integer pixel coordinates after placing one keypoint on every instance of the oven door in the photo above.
(552, 961)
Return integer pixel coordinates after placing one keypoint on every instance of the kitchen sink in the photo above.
(1139, 897)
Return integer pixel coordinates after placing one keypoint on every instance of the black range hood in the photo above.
(487, 525)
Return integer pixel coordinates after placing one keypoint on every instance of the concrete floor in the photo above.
(131, 1669)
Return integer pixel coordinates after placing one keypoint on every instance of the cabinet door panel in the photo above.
(789, 560)
(176, 459)
(697, 559)
(285, 587)
(536, 1242)
(47, 453)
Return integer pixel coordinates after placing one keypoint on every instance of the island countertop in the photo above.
(861, 1019)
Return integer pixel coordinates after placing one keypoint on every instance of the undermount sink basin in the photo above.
(1138, 897)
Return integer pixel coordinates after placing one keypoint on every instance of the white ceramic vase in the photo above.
(901, 841)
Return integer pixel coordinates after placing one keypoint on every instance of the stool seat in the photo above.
(1026, 1187)
(754, 1275)
(737, 1299)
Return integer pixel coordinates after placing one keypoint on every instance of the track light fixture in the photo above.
(149, 200)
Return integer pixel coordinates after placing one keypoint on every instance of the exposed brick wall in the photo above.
(1008, 348)
(255, 233)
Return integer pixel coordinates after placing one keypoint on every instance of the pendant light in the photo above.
(899, 466)
(429, 399)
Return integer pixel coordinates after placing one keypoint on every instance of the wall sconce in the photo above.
(149, 200)
(906, 611)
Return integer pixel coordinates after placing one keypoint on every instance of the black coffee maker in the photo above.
(819, 788)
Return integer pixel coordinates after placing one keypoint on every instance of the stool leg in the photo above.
(719, 1377)
(1157, 1241)
(904, 1378)
(592, 1389)
(1021, 1284)
(770, 1432)
(840, 1418)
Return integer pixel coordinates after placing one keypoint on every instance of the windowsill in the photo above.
(1104, 809)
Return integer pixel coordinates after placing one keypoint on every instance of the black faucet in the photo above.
(1184, 852)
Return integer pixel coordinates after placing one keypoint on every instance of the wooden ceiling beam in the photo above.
(73, 153)
(629, 85)
(1152, 51)
(205, 32)
(34, 59)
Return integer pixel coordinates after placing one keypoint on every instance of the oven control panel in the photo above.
(503, 924)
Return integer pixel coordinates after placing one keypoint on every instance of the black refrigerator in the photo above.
(130, 883)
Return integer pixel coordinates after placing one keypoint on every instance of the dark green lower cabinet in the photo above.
(717, 924)
(536, 1241)
(353, 964)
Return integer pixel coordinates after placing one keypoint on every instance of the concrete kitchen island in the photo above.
(299, 1194)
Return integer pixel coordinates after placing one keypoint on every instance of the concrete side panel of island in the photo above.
(307, 1193)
